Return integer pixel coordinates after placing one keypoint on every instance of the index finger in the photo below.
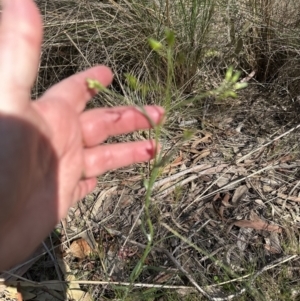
(74, 90)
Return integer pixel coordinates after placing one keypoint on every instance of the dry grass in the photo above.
(225, 208)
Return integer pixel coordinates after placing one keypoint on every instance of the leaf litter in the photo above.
(232, 207)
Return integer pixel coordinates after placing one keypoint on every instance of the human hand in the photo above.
(50, 152)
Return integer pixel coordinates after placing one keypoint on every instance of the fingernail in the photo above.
(160, 111)
(151, 149)
(163, 120)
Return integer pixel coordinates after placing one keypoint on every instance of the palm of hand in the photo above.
(50, 149)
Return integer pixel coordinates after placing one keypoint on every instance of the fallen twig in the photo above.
(268, 143)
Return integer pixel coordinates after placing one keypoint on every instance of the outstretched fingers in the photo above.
(100, 159)
(74, 90)
(98, 124)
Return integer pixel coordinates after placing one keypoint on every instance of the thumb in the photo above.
(20, 40)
